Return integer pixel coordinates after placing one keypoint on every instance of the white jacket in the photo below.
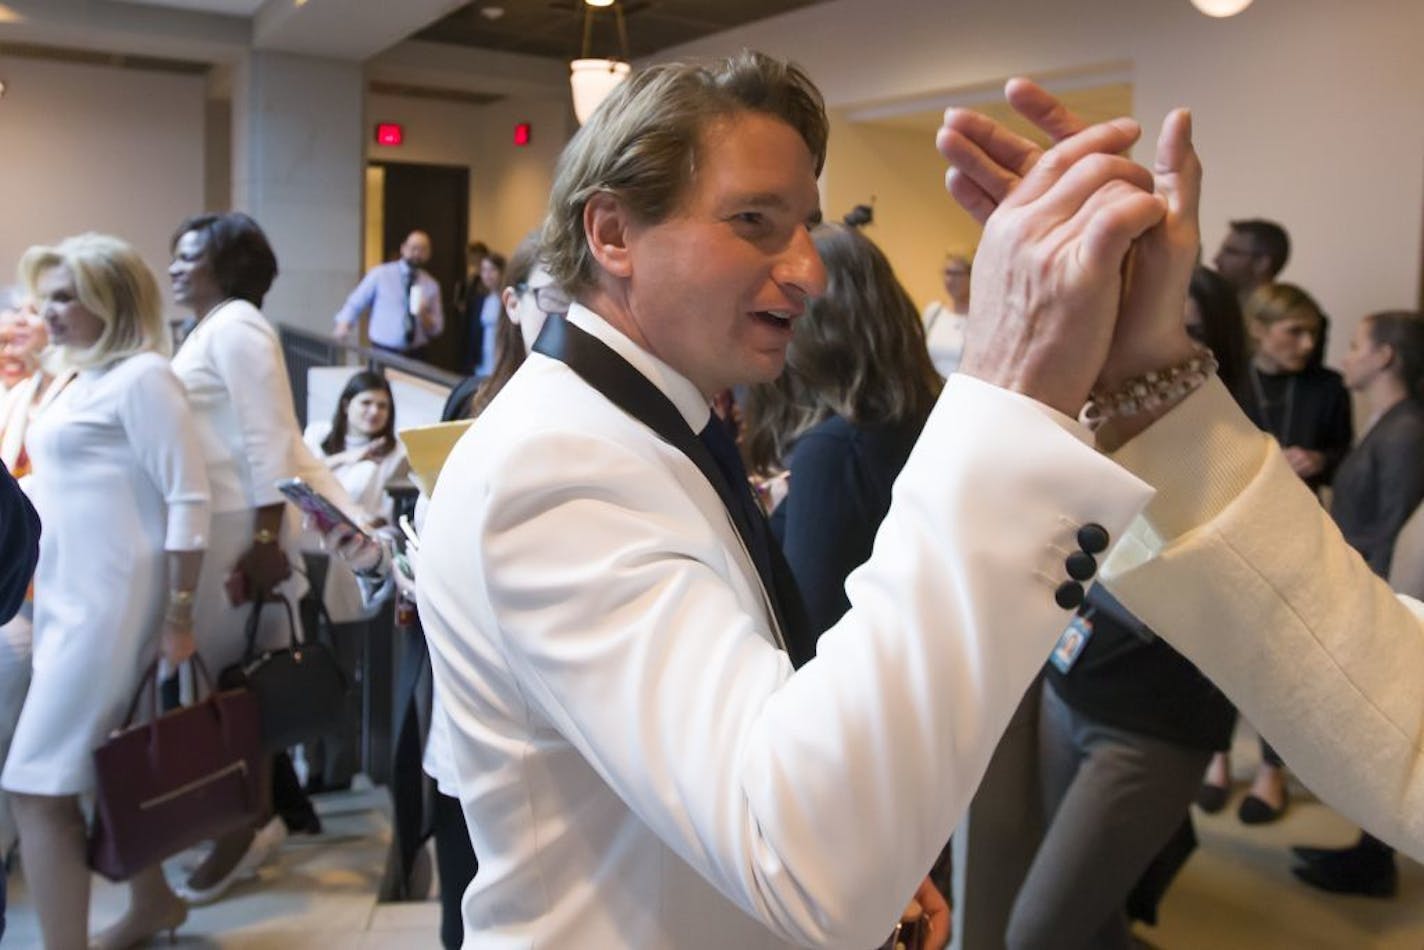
(638, 764)
(1254, 584)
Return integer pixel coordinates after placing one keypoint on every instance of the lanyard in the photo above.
(1283, 434)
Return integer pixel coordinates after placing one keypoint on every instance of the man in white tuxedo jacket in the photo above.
(638, 762)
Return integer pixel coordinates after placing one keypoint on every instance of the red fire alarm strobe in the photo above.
(523, 133)
(389, 133)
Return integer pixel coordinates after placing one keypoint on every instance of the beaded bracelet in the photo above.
(1152, 390)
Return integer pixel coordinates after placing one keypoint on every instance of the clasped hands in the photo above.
(1080, 279)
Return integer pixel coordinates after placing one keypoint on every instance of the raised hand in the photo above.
(1047, 278)
(988, 163)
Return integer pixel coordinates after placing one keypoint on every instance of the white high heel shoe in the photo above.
(265, 843)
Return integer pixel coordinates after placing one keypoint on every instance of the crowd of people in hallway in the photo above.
(739, 541)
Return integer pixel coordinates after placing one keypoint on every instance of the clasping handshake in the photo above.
(1081, 277)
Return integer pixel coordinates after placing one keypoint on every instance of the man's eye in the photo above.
(752, 218)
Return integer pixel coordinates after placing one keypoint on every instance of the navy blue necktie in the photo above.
(718, 439)
(712, 451)
(410, 317)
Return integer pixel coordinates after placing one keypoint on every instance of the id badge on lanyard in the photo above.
(1072, 643)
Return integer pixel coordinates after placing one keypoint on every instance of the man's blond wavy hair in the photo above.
(641, 144)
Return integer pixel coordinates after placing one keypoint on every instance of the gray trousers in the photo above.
(995, 843)
(1111, 800)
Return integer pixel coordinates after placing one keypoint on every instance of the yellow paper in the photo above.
(427, 447)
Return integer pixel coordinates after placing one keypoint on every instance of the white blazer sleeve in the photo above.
(816, 800)
(154, 412)
(1257, 587)
(248, 359)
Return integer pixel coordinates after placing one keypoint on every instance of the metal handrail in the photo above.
(304, 349)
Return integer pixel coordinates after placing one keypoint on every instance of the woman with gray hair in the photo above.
(121, 487)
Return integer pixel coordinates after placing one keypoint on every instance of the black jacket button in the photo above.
(1069, 595)
(1093, 538)
(1081, 565)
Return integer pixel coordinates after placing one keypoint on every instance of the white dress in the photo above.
(119, 479)
(232, 368)
(944, 337)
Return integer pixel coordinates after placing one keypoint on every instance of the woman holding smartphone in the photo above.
(232, 369)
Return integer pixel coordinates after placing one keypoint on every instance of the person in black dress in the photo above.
(1307, 408)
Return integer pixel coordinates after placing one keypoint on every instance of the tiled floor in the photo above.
(1236, 892)
(319, 892)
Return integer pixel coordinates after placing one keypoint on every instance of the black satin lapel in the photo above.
(602, 368)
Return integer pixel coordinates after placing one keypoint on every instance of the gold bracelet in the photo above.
(264, 536)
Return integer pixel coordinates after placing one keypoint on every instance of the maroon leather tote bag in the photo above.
(185, 776)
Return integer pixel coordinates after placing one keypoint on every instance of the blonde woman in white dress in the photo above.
(122, 491)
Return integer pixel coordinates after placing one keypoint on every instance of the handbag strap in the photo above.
(254, 620)
(150, 679)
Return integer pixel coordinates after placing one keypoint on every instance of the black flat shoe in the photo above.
(1212, 798)
(1346, 876)
(1311, 855)
(1258, 811)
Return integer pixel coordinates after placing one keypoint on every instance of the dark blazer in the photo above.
(19, 545)
(1380, 483)
(1309, 409)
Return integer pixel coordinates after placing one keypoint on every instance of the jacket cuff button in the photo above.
(1081, 565)
(1069, 595)
(1093, 538)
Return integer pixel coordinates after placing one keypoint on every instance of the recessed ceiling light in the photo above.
(599, 3)
(491, 13)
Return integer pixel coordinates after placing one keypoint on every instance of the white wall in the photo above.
(509, 185)
(904, 175)
(1307, 111)
(93, 148)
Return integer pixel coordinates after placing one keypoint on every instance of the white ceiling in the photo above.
(229, 7)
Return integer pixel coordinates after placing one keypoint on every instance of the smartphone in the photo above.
(324, 514)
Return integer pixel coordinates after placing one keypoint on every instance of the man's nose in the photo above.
(801, 267)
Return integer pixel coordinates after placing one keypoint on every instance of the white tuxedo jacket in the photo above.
(638, 764)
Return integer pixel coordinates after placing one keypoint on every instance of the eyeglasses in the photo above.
(549, 299)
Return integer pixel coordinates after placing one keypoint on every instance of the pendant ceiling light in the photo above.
(593, 79)
(1221, 8)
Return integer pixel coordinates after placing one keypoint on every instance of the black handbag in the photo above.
(186, 776)
(300, 689)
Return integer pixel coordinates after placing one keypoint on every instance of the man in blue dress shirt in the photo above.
(402, 298)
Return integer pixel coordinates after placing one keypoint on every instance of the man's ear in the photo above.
(606, 227)
(508, 298)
